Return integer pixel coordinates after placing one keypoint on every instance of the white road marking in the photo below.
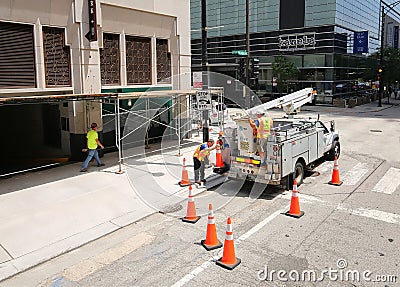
(260, 225)
(389, 182)
(324, 167)
(304, 198)
(375, 214)
(89, 266)
(355, 174)
(188, 277)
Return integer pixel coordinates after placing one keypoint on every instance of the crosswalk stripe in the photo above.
(355, 174)
(389, 182)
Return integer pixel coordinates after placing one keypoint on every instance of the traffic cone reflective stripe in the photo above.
(228, 260)
(335, 174)
(185, 177)
(294, 210)
(191, 215)
(219, 163)
(211, 242)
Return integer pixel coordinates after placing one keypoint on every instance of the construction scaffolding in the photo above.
(143, 113)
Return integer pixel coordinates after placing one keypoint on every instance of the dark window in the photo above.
(109, 60)
(138, 60)
(163, 62)
(291, 14)
(17, 58)
(56, 58)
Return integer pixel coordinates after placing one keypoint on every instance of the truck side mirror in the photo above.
(332, 126)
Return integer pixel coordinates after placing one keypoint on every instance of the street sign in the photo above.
(197, 80)
(360, 44)
(239, 52)
(203, 100)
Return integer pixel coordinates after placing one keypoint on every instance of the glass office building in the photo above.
(316, 35)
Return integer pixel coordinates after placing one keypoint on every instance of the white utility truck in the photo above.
(293, 145)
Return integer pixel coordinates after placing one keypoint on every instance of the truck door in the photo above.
(326, 136)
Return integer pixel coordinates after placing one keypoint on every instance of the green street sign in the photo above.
(239, 52)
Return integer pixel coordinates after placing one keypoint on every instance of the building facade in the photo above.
(50, 47)
(316, 35)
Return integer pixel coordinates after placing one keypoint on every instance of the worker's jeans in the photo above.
(198, 168)
(92, 153)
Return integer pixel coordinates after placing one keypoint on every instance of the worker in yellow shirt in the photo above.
(92, 144)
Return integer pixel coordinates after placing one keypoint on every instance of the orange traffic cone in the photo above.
(335, 174)
(211, 241)
(228, 260)
(191, 215)
(219, 163)
(185, 177)
(294, 203)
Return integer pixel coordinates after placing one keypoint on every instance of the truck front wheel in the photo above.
(334, 152)
(299, 173)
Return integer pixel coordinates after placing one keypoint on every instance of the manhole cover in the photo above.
(375, 131)
(157, 174)
(171, 208)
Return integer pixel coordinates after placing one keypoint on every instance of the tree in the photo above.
(390, 66)
(284, 71)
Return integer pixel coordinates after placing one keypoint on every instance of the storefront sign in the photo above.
(92, 34)
(396, 37)
(297, 42)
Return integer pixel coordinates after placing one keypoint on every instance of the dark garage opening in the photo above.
(31, 136)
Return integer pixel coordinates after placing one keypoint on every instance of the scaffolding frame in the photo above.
(176, 97)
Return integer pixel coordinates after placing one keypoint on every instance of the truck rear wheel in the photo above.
(299, 173)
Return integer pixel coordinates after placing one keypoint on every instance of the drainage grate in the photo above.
(375, 131)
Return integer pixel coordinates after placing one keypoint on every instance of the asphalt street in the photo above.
(350, 234)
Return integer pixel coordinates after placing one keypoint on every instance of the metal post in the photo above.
(247, 41)
(204, 60)
(381, 57)
(146, 140)
(179, 125)
(118, 132)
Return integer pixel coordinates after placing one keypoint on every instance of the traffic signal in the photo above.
(380, 70)
(254, 73)
(241, 71)
(254, 68)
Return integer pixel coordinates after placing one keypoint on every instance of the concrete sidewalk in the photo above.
(49, 212)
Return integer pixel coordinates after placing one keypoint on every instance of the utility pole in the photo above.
(247, 95)
(247, 41)
(381, 57)
(204, 60)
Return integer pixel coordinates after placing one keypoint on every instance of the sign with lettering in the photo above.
(92, 34)
(396, 37)
(197, 80)
(360, 44)
(203, 100)
(296, 42)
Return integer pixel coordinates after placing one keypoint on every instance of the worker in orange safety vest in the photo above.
(202, 151)
(263, 126)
